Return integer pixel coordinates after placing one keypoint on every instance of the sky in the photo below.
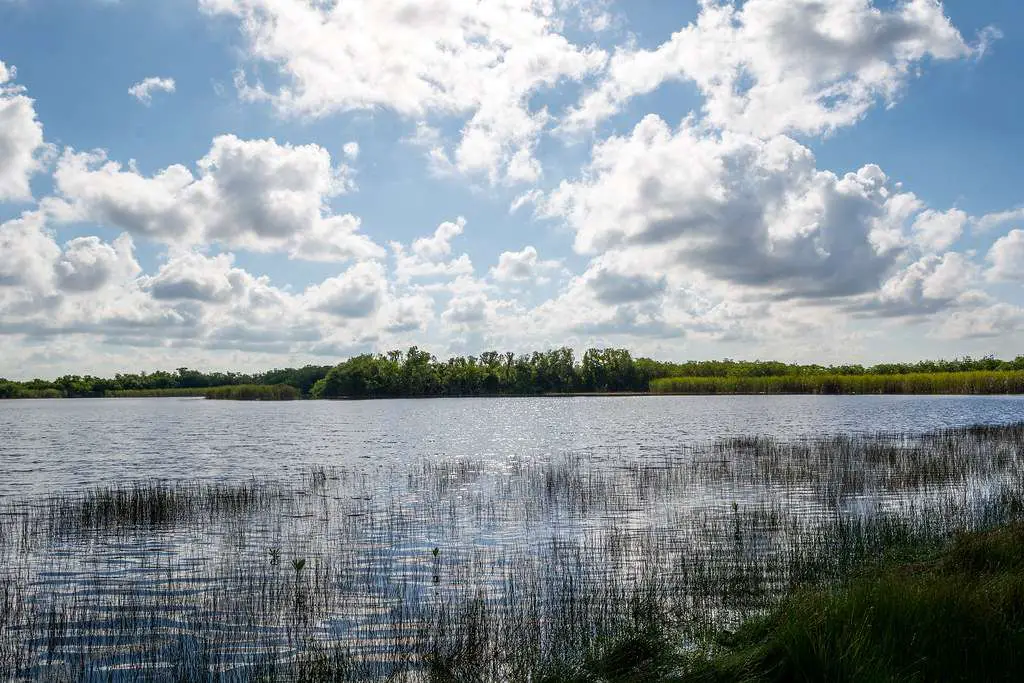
(248, 184)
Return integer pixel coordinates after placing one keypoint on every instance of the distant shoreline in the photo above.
(556, 373)
(591, 394)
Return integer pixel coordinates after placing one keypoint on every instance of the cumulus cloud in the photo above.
(428, 256)
(88, 264)
(930, 284)
(193, 276)
(995, 320)
(936, 231)
(478, 62)
(614, 288)
(144, 89)
(751, 212)
(21, 138)
(27, 254)
(248, 194)
(356, 293)
(523, 266)
(1007, 258)
(87, 287)
(439, 245)
(411, 313)
(775, 66)
(466, 310)
(472, 308)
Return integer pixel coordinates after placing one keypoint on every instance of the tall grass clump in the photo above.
(19, 390)
(953, 616)
(254, 392)
(981, 382)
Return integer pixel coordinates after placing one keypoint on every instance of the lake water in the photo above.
(504, 532)
(50, 445)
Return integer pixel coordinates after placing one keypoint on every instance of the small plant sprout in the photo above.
(298, 564)
(436, 551)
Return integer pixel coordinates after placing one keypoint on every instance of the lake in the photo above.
(56, 444)
(184, 539)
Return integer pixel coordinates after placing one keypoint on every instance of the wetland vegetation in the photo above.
(734, 558)
(970, 382)
(254, 392)
(417, 373)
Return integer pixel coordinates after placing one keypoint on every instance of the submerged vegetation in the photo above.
(723, 560)
(416, 373)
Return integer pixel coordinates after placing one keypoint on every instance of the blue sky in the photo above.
(300, 181)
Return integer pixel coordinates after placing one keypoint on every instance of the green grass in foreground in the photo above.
(980, 382)
(254, 392)
(955, 616)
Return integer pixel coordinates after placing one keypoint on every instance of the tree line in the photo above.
(416, 372)
(183, 381)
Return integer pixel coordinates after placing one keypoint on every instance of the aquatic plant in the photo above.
(551, 565)
(254, 392)
(977, 382)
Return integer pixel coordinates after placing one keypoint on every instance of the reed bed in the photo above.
(254, 392)
(176, 392)
(978, 382)
(447, 569)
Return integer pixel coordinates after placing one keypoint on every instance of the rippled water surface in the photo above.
(60, 443)
(178, 539)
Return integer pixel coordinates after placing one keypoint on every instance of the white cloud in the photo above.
(21, 139)
(144, 89)
(27, 254)
(754, 213)
(467, 310)
(439, 245)
(429, 255)
(351, 150)
(773, 66)
(937, 231)
(1007, 258)
(523, 265)
(356, 293)
(481, 62)
(88, 287)
(249, 194)
(412, 313)
(996, 320)
(190, 275)
(529, 197)
(928, 285)
(995, 220)
(88, 264)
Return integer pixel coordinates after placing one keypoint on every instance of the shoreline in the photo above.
(580, 394)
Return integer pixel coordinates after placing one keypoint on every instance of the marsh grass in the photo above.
(544, 568)
(978, 382)
(176, 392)
(950, 614)
(254, 392)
